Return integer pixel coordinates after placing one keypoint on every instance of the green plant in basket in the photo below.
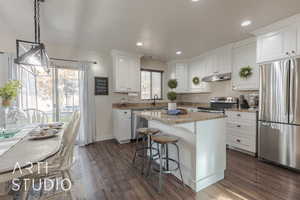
(172, 83)
(9, 92)
(172, 96)
(245, 72)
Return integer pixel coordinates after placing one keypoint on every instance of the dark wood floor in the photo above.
(104, 171)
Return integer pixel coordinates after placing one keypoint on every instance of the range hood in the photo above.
(217, 77)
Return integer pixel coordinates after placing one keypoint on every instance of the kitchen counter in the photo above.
(162, 116)
(132, 106)
(242, 110)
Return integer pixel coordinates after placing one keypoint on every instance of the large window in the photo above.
(55, 93)
(151, 84)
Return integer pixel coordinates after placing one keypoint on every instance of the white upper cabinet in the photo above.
(181, 76)
(244, 54)
(126, 72)
(222, 60)
(179, 71)
(217, 61)
(277, 45)
(198, 69)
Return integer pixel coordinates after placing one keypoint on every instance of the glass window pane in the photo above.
(145, 85)
(156, 85)
(68, 89)
(45, 89)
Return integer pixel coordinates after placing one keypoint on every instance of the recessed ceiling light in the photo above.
(178, 52)
(195, 0)
(139, 44)
(246, 23)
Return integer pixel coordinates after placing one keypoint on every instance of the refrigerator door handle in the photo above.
(266, 124)
(294, 109)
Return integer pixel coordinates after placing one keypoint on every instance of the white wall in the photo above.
(3, 69)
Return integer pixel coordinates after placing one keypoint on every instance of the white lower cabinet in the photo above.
(122, 125)
(241, 128)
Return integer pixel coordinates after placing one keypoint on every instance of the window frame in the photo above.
(161, 84)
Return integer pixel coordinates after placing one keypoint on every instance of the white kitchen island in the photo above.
(202, 144)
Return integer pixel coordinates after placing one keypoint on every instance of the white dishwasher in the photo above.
(122, 125)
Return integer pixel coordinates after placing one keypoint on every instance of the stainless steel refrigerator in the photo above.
(279, 113)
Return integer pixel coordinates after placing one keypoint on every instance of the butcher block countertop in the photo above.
(162, 116)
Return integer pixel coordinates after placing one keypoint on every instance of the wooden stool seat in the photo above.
(148, 131)
(165, 139)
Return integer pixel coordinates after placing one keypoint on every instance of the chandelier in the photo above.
(33, 54)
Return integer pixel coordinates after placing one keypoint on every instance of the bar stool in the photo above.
(145, 134)
(165, 140)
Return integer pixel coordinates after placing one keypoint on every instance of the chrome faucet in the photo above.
(154, 99)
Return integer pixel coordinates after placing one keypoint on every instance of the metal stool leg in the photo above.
(143, 164)
(167, 158)
(136, 147)
(161, 152)
(179, 163)
(151, 155)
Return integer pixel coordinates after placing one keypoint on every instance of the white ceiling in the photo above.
(164, 26)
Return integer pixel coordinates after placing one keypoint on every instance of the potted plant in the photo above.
(9, 92)
(172, 96)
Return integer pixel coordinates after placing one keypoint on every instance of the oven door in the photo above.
(222, 105)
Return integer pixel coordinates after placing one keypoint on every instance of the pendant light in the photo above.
(33, 54)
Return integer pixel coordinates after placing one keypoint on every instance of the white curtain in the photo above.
(87, 133)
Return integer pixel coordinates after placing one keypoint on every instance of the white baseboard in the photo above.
(105, 137)
(203, 183)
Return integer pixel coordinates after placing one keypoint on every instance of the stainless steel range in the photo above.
(219, 104)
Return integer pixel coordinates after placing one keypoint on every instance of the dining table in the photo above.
(21, 151)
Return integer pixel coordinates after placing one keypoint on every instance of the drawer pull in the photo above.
(239, 126)
(238, 115)
(239, 141)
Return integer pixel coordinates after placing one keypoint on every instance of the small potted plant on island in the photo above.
(172, 96)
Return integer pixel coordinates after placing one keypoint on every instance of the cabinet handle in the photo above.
(287, 53)
(238, 140)
(125, 112)
(293, 52)
(238, 115)
(239, 126)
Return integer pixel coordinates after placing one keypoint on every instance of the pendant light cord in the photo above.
(36, 4)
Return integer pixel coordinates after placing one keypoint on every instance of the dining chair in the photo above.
(59, 165)
(36, 116)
